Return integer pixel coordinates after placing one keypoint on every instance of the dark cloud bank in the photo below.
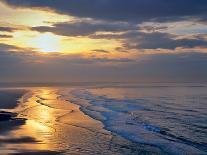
(124, 10)
(159, 67)
(112, 16)
(122, 16)
(133, 38)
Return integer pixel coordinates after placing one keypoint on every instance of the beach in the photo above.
(102, 121)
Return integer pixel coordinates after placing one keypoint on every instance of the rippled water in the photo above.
(171, 118)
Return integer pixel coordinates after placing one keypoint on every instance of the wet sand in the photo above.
(43, 122)
(9, 97)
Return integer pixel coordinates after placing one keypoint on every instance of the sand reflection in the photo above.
(52, 123)
(40, 120)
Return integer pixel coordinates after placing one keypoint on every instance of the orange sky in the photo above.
(45, 35)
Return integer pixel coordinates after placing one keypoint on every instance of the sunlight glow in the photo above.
(46, 43)
(30, 17)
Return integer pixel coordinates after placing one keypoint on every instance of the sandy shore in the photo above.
(44, 123)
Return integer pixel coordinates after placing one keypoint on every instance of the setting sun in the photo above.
(46, 43)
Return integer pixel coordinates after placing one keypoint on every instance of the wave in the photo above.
(120, 116)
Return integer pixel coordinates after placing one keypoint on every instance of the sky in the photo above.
(103, 41)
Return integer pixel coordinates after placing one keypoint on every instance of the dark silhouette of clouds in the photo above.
(153, 40)
(85, 28)
(157, 40)
(122, 16)
(134, 38)
(7, 29)
(122, 10)
(21, 67)
(18, 64)
(5, 47)
(5, 36)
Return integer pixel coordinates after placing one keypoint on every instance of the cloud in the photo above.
(127, 23)
(5, 36)
(7, 29)
(131, 36)
(84, 28)
(121, 20)
(6, 47)
(153, 28)
(153, 40)
(101, 51)
(183, 67)
(21, 67)
(122, 10)
(157, 40)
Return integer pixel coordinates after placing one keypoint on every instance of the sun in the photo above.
(47, 43)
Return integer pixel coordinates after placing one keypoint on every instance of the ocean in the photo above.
(117, 119)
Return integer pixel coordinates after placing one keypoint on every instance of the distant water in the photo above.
(172, 118)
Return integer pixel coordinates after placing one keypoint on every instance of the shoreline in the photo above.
(50, 124)
(83, 120)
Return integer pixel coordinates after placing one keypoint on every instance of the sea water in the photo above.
(173, 118)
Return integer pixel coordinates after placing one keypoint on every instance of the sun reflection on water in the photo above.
(54, 123)
(40, 121)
